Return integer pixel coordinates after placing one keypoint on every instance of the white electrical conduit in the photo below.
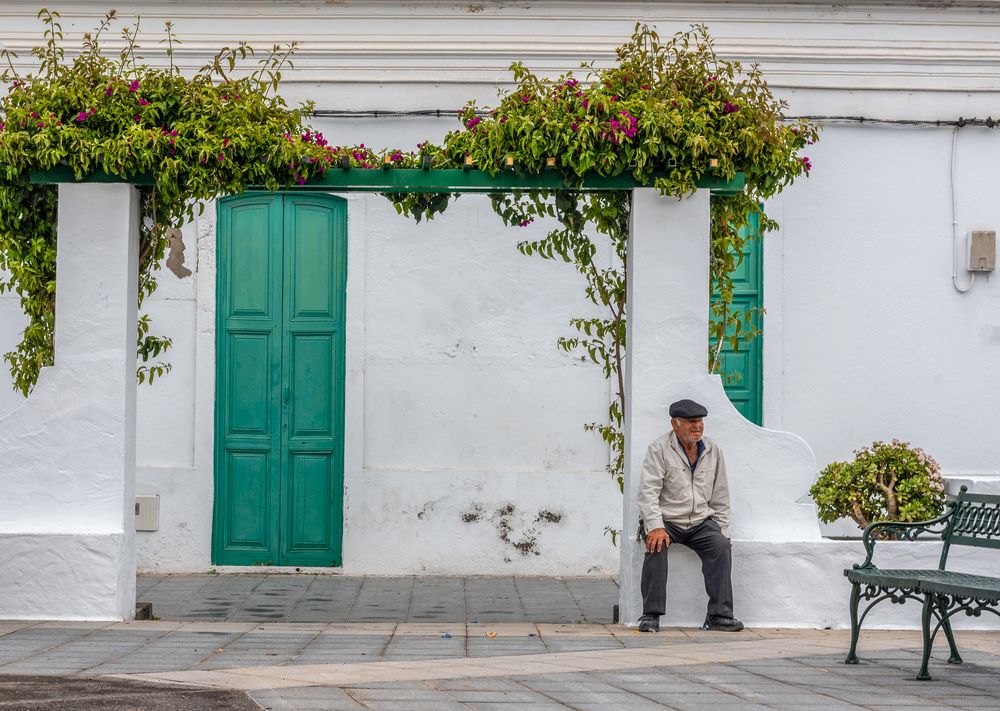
(954, 222)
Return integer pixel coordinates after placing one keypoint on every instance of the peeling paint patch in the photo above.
(175, 256)
(473, 515)
(512, 528)
(546, 516)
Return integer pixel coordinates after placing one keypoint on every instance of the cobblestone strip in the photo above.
(674, 655)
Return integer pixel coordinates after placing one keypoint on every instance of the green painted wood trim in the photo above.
(414, 180)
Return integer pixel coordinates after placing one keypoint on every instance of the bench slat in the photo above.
(978, 541)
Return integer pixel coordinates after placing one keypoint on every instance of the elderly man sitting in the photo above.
(684, 498)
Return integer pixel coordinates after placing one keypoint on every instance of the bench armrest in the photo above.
(880, 530)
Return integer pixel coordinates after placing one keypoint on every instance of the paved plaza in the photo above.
(333, 642)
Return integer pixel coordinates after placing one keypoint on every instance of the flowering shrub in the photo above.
(199, 137)
(667, 113)
(884, 482)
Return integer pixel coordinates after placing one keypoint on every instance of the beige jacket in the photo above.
(668, 491)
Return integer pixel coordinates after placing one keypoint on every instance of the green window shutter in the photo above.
(741, 368)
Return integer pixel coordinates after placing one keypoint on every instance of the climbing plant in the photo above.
(218, 132)
(667, 112)
(884, 482)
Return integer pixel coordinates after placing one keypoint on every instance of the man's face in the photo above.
(688, 431)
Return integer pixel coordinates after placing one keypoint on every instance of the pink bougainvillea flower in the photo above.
(503, 120)
(221, 158)
(2, 125)
(109, 91)
(806, 163)
(525, 99)
(225, 142)
(629, 124)
(137, 118)
(307, 137)
(574, 126)
(396, 156)
(525, 223)
(35, 114)
(729, 108)
(571, 82)
(133, 86)
(143, 102)
(83, 116)
(586, 103)
(472, 122)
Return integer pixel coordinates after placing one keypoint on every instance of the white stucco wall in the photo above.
(873, 341)
(864, 335)
(68, 469)
(458, 405)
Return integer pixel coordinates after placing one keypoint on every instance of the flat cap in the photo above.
(687, 409)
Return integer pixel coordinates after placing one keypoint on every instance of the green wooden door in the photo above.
(741, 367)
(282, 266)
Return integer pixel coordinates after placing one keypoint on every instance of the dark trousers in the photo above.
(713, 548)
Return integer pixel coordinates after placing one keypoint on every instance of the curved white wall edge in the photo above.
(668, 281)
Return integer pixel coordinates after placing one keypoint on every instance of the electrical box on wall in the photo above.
(147, 513)
(982, 251)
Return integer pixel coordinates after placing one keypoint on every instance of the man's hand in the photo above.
(657, 540)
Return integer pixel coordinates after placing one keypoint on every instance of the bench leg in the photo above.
(955, 657)
(925, 628)
(852, 657)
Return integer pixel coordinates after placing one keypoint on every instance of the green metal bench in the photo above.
(972, 520)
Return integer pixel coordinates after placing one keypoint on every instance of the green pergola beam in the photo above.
(415, 180)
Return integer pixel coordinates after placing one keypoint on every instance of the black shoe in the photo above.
(722, 624)
(649, 623)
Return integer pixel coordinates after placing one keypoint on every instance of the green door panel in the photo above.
(280, 385)
(741, 368)
(315, 274)
(246, 499)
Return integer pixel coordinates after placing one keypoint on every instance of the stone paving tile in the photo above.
(438, 705)
(514, 697)
(609, 699)
(308, 698)
(414, 692)
(488, 706)
(580, 645)
(479, 684)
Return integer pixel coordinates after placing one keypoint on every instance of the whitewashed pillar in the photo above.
(67, 521)
(667, 360)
